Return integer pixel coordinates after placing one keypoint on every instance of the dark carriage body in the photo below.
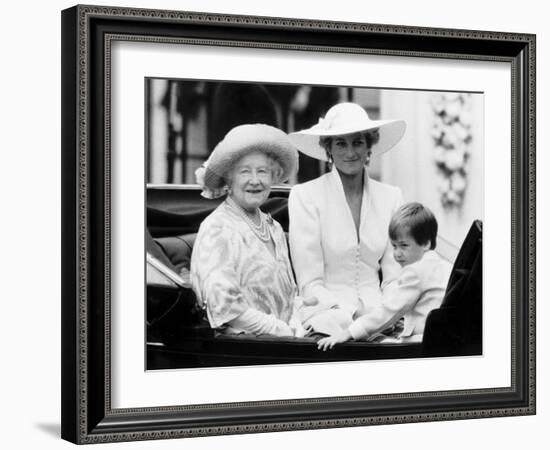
(179, 336)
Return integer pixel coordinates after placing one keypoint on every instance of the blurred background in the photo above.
(439, 161)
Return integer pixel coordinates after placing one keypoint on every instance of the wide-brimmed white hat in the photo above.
(239, 142)
(343, 119)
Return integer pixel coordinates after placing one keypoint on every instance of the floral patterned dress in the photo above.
(234, 274)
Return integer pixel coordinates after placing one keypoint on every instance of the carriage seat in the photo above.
(178, 249)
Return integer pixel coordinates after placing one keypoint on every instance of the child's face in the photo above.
(405, 249)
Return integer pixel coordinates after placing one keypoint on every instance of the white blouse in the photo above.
(329, 261)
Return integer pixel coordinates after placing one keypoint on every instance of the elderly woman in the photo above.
(339, 222)
(240, 269)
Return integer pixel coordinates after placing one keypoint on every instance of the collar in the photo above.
(337, 185)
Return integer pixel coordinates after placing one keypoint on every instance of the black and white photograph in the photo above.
(219, 224)
(292, 223)
(282, 224)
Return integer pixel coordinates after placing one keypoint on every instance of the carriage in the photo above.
(179, 336)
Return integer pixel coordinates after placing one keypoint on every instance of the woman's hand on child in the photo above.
(311, 301)
(308, 307)
(330, 341)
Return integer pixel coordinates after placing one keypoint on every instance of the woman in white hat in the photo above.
(339, 222)
(240, 269)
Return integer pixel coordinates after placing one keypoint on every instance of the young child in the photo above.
(419, 288)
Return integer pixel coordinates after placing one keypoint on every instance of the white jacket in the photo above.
(419, 288)
(328, 260)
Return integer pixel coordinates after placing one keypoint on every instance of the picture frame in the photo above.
(88, 33)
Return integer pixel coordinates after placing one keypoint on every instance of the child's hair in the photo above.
(416, 220)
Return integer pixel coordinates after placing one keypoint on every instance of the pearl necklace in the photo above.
(261, 230)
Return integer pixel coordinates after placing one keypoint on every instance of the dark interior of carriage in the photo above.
(179, 336)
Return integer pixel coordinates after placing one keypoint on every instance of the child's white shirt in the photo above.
(418, 290)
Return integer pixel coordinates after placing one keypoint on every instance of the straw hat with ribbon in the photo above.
(343, 119)
(239, 142)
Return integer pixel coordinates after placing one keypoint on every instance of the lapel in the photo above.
(340, 205)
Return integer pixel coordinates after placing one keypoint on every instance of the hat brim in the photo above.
(246, 139)
(390, 131)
